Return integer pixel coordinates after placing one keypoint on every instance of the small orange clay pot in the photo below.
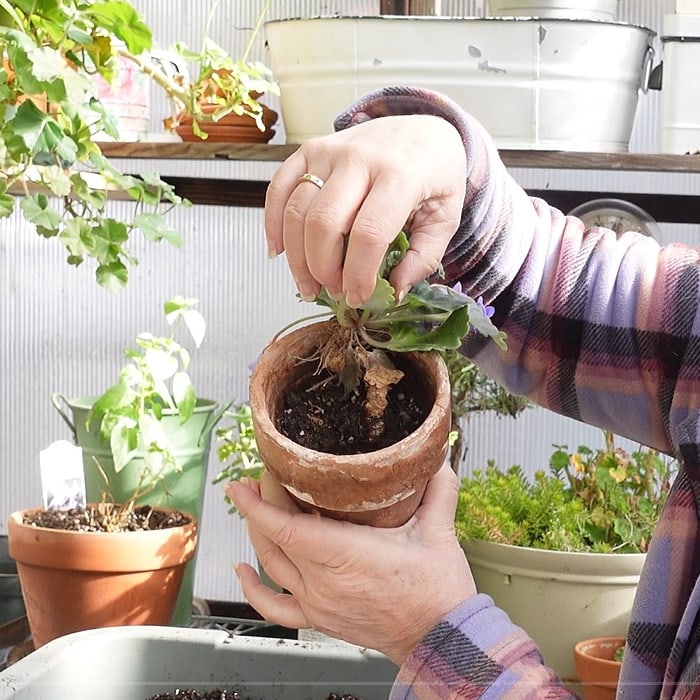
(73, 581)
(233, 128)
(381, 488)
(596, 668)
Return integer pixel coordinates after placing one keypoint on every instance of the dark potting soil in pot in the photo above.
(103, 518)
(317, 413)
(186, 694)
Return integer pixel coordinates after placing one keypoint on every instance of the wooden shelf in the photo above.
(670, 208)
(651, 162)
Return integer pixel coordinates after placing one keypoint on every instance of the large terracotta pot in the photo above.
(73, 581)
(596, 667)
(381, 488)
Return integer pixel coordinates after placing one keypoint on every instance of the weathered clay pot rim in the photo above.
(87, 549)
(582, 649)
(383, 457)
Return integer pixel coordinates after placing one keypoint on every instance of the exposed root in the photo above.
(352, 362)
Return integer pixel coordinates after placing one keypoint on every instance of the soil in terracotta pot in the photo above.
(320, 415)
(104, 518)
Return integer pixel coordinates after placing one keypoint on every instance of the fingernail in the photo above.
(354, 302)
(307, 294)
(272, 253)
(336, 296)
(403, 292)
(236, 570)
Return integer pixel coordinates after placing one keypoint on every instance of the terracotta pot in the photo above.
(596, 668)
(381, 488)
(233, 128)
(73, 581)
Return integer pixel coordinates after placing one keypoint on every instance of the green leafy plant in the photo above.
(154, 380)
(221, 85)
(472, 391)
(50, 116)
(238, 449)
(429, 317)
(603, 500)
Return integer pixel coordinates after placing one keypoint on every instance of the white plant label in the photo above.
(62, 478)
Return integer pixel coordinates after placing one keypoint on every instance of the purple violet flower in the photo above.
(487, 310)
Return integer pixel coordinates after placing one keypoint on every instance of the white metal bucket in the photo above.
(533, 83)
(563, 9)
(680, 92)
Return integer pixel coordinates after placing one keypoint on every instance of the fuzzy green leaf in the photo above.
(112, 276)
(37, 209)
(155, 228)
(382, 298)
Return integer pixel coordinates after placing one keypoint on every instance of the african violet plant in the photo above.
(50, 116)
(429, 317)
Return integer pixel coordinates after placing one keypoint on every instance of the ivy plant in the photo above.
(50, 115)
(154, 380)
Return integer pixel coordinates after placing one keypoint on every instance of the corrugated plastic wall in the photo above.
(60, 332)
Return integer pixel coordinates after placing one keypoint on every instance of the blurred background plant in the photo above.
(52, 121)
(474, 392)
(590, 500)
(237, 448)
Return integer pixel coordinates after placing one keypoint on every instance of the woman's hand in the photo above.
(375, 178)
(376, 587)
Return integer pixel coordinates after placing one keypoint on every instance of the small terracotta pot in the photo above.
(233, 128)
(73, 581)
(596, 668)
(381, 488)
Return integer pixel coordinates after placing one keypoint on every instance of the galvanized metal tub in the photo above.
(533, 83)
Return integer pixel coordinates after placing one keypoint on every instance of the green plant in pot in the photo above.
(342, 406)
(148, 437)
(99, 565)
(222, 101)
(52, 119)
(562, 553)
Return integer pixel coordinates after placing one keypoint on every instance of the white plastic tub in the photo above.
(533, 83)
(680, 92)
(133, 663)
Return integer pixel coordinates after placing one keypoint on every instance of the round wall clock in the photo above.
(618, 215)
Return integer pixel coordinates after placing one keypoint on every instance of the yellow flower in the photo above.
(577, 463)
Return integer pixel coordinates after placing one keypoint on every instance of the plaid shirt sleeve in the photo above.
(602, 329)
